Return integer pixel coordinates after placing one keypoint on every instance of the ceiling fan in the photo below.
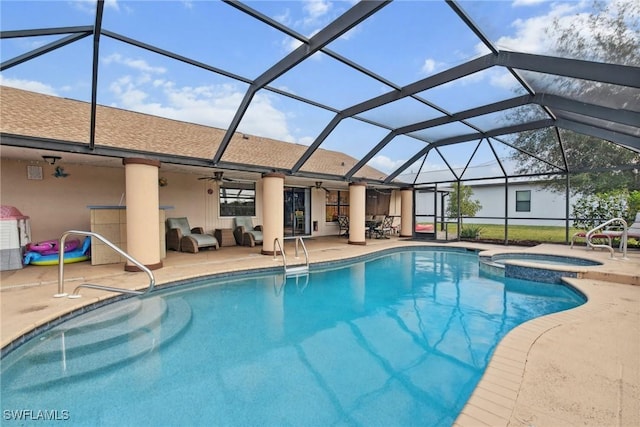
(217, 176)
(319, 186)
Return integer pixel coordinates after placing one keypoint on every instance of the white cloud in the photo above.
(30, 85)
(502, 78)
(429, 66)
(263, 118)
(518, 3)
(315, 9)
(531, 35)
(306, 140)
(112, 4)
(136, 64)
(210, 105)
(89, 6)
(385, 164)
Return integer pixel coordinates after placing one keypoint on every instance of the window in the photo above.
(523, 201)
(237, 199)
(337, 204)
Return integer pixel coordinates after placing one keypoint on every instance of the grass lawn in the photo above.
(531, 233)
(543, 234)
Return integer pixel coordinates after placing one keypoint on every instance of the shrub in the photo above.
(594, 209)
(470, 232)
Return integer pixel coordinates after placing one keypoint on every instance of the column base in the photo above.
(405, 235)
(263, 252)
(351, 242)
(135, 268)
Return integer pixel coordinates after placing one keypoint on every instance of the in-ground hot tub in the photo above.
(530, 266)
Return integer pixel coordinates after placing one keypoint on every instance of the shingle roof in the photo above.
(43, 116)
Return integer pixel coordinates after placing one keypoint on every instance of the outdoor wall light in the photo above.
(51, 159)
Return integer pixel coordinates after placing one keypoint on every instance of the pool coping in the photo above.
(494, 398)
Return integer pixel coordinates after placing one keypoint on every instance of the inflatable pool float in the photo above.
(424, 228)
(78, 255)
(51, 247)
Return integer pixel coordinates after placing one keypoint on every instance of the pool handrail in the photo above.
(622, 235)
(304, 249)
(62, 293)
(303, 269)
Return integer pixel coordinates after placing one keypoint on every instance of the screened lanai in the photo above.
(426, 92)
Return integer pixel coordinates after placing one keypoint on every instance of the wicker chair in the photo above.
(343, 224)
(180, 237)
(245, 233)
(384, 229)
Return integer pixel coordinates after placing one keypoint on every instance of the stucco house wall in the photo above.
(56, 205)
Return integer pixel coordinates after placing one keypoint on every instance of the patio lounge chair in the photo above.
(245, 233)
(633, 230)
(182, 238)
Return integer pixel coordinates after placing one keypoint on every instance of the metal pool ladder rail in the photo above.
(61, 293)
(622, 235)
(295, 270)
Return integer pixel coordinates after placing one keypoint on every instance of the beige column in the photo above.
(357, 204)
(143, 227)
(273, 211)
(406, 212)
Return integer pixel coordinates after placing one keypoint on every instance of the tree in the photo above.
(468, 207)
(608, 34)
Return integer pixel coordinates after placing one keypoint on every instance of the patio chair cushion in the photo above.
(181, 224)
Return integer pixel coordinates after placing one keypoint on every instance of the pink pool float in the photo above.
(424, 228)
(52, 247)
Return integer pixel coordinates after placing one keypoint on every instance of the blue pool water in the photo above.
(401, 339)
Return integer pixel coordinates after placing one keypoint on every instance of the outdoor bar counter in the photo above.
(110, 221)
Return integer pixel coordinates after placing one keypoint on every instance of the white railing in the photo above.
(290, 271)
(61, 293)
(622, 234)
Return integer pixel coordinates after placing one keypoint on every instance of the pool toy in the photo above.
(50, 247)
(78, 255)
(424, 228)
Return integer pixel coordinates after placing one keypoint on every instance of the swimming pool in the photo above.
(397, 339)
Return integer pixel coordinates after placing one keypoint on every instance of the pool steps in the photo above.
(104, 338)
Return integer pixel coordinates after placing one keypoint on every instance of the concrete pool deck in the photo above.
(578, 367)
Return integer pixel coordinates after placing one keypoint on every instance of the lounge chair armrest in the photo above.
(174, 236)
(238, 233)
(248, 240)
(258, 228)
(189, 244)
(197, 230)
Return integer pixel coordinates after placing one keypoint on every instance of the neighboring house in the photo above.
(56, 203)
(527, 203)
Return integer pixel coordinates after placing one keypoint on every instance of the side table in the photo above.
(224, 236)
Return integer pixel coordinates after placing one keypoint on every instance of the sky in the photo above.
(404, 42)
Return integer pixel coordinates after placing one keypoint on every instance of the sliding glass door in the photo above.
(297, 211)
